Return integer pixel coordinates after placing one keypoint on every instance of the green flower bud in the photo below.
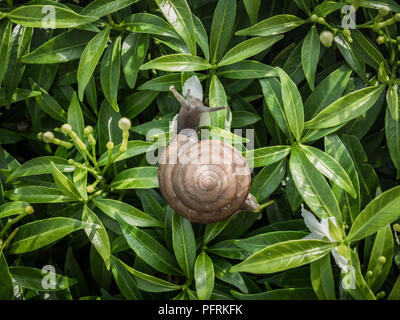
(326, 38)
(383, 11)
(124, 124)
(321, 20)
(40, 135)
(66, 128)
(48, 137)
(349, 39)
(347, 33)
(88, 130)
(382, 260)
(397, 17)
(380, 40)
(90, 189)
(369, 273)
(314, 18)
(29, 210)
(110, 145)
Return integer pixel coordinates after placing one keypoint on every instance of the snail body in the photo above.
(204, 181)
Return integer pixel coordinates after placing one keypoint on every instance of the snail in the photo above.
(204, 181)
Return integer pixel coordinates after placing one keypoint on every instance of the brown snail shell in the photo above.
(204, 181)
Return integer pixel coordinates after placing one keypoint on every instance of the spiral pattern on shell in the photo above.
(204, 181)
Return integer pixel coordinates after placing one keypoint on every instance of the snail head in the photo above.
(191, 110)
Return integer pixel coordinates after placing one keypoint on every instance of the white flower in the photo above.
(194, 85)
(320, 230)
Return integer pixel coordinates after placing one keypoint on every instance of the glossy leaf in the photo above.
(6, 284)
(136, 178)
(292, 103)
(38, 234)
(346, 108)
(178, 62)
(266, 156)
(125, 282)
(322, 278)
(204, 276)
(275, 25)
(377, 214)
(101, 8)
(184, 244)
(64, 184)
(222, 28)
(309, 53)
(89, 59)
(149, 249)
(283, 256)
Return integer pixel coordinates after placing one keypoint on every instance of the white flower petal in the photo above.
(312, 223)
(341, 261)
(194, 85)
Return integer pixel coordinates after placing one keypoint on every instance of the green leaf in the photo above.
(149, 249)
(162, 83)
(392, 99)
(150, 283)
(278, 294)
(271, 89)
(48, 104)
(285, 255)
(309, 51)
(177, 62)
(247, 69)
(268, 180)
(350, 207)
(201, 36)
(107, 126)
(330, 168)
(392, 132)
(98, 237)
(75, 117)
(126, 212)
(204, 276)
(261, 241)
(292, 103)
(184, 244)
(252, 7)
(133, 52)
(64, 184)
(383, 247)
(135, 147)
(375, 55)
(137, 102)
(6, 284)
(377, 214)
(214, 229)
(100, 8)
(263, 157)
(80, 181)
(12, 208)
(38, 194)
(124, 280)
(275, 25)
(178, 14)
(346, 108)
(322, 278)
(328, 91)
(89, 59)
(40, 233)
(222, 28)
(352, 55)
(148, 23)
(110, 71)
(136, 178)
(40, 165)
(395, 293)
(18, 46)
(66, 46)
(327, 7)
(221, 270)
(241, 119)
(312, 186)
(248, 48)
(4, 46)
(217, 98)
(44, 16)
(40, 279)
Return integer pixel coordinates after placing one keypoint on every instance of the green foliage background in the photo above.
(327, 132)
